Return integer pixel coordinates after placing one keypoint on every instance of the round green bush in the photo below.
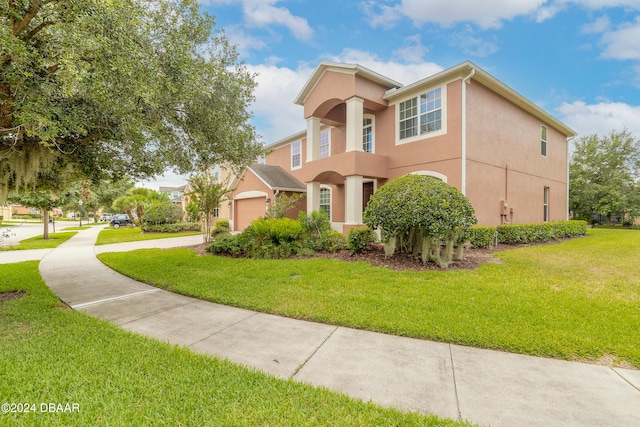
(416, 201)
(164, 213)
(420, 214)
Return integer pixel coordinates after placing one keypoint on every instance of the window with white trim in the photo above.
(325, 200)
(367, 135)
(543, 141)
(325, 146)
(296, 154)
(421, 115)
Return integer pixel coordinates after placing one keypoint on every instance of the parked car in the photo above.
(120, 219)
(106, 217)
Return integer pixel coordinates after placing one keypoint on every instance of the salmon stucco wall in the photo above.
(504, 162)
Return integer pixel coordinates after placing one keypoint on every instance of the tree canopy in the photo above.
(113, 88)
(603, 175)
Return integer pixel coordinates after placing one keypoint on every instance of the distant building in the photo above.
(175, 193)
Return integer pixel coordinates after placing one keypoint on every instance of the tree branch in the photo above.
(19, 26)
(39, 27)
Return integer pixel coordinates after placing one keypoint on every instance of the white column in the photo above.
(313, 196)
(313, 138)
(353, 199)
(355, 114)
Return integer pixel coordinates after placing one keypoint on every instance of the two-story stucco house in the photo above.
(507, 155)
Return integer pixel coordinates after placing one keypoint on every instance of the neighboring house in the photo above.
(222, 175)
(175, 193)
(507, 155)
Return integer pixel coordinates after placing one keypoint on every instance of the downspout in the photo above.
(465, 82)
(567, 190)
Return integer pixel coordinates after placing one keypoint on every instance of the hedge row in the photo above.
(178, 227)
(484, 237)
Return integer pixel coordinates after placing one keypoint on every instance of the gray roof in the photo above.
(277, 178)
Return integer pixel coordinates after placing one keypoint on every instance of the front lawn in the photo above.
(38, 242)
(133, 234)
(575, 300)
(50, 354)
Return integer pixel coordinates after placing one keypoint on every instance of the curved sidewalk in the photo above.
(483, 386)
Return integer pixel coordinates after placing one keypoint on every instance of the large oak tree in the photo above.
(603, 175)
(105, 88)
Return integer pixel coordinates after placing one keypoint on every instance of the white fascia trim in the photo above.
(250, 195)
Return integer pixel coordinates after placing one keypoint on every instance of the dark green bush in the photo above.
(481, 236)
(360, 238)
(333, 241)
(278, 230)
(235, 245)
(222, 226)
(542, 232)
(421, 214)
(179, 227)
(164, 213)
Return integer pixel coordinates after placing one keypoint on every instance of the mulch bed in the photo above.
(375, 256)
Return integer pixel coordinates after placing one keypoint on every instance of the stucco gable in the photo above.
(354, 69)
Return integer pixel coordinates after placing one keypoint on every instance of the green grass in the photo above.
(576, 300)
(51, 354)
(38, 242)
(134, 234)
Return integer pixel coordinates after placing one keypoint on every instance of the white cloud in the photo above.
(413, 50)
(472, 44)
(398, 71)
(600, 25)
(243, 41)
(623, 42)
(486, 14)
(263, 13)
(602, 118)
(276, 114)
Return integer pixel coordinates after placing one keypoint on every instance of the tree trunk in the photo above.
(45, 216)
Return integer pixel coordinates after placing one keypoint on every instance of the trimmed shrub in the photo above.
(235, 245)
(178, 227)
(360, 238)
(333, 241)
(164, 213)
(421, 215)
(481, 236)
(223, 224)
(542, 232)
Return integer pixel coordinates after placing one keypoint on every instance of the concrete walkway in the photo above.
(483, 386)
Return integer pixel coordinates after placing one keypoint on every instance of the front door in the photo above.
(367, 191)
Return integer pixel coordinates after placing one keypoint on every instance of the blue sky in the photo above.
(577, 59)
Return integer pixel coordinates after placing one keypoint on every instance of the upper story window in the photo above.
(421, 115)
(296, 154)
(543, 140)
(325, 146)
(367, 135)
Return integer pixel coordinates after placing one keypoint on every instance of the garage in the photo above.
(246, 210)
